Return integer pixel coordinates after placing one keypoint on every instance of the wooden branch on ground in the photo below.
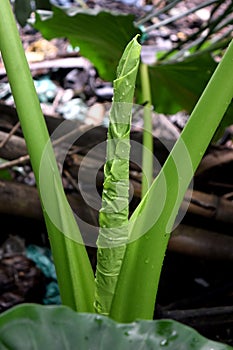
(18, 199)
(14, 148)
(201, 243)
(202, 204)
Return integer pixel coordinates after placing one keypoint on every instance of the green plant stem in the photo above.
(147, 151)
(153, 219)
(74, 272)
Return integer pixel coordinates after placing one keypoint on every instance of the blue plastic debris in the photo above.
(62, 3)
(45, 89)
(42, 257)
(131, 2)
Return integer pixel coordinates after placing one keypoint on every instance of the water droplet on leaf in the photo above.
(164, 342)
(173, 334)
(99, 320)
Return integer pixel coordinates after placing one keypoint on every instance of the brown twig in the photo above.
(25, 158)
(12, 132)
(11, 163)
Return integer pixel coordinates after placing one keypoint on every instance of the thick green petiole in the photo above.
(74, 272)
(147, 155)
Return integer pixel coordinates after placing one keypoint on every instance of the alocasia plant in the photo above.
(136, 266)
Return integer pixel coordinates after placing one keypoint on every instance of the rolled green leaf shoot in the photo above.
(113, 216)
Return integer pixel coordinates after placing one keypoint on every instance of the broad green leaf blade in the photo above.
(65, 250)
(177, 86)
(113, 216)
(31, 326)
(100, 35)
(43, 4)
(23, 9)
(153, 219)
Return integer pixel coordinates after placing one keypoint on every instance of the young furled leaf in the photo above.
(113, 216)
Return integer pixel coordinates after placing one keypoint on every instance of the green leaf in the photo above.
(23, 9)
(100, 35)
(113, 216)
(5, 173)
(31, 326)
(43, 4)
(177, 86)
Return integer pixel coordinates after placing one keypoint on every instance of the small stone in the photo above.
(95, 114)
